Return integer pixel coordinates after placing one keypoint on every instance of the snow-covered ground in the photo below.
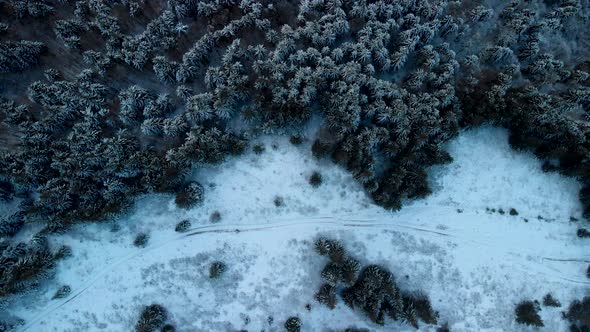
(474, 264)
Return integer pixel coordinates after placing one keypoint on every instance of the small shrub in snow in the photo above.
(501, 211)
(527, 312)
(588, 272)
(583, 233)
(168, 328)
(190, 195)
(550, 301)
(443, 328)
(183, 226)
(315, 179)
(293, 324)
(141, 240)
(215, 217)
(216, 269)
(258, 148)
(278, 201)
(62, 292)
(151, 319)
(296, 139)
(513, 212)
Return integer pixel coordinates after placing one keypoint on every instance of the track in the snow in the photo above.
(334, 223)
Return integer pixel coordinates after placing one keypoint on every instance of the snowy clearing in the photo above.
(473, 263)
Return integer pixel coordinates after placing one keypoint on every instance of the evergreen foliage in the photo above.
(151, 319)
(315, 179)
(215, 217)
(583, 233)
(293, 324)
(578, 314)
(141, 240)
(24, 265)
(121, 113)
(550, 301)
(62, 292)
(216, 269)
(258, 148)
(182, 226)
(168, 328)
(190, 195)
(327, 295)
(371, 290)
(527, 312)
(18, 56)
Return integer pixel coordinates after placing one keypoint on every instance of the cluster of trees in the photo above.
(371, 289)
(578, 314)
(392, 80)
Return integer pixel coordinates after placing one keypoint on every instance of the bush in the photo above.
(182, 226)
(6, 190)
(513, 212)
(62, 292)
(296, 139)
(578, 314)
(550, 301)
(216, 269)
(141, 240)
(293, 324)
(315, 179)
(583, 233)
(151, 319)
(444, 328)
(190, 195)
(527, 312)
(258, 148)
(168, 328)
(215, 217)
(278, 201)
